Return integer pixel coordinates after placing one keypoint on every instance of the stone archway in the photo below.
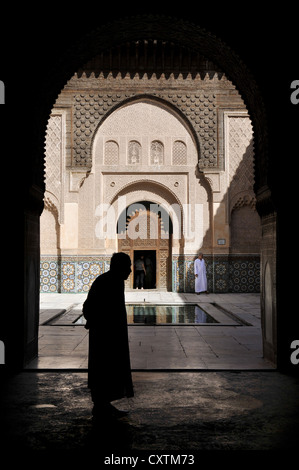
(150, 220)
(107, 38)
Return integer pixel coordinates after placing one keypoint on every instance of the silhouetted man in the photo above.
(109, 368)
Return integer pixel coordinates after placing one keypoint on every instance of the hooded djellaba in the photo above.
(109, 368)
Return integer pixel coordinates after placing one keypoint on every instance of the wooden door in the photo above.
(143, 232)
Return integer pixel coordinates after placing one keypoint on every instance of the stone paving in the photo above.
(171, 413)
(234, 343)
(219, 395)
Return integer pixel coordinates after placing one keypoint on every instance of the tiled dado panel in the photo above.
(225, 273)
(70, 274)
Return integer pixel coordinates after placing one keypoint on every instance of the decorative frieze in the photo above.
(225, 273)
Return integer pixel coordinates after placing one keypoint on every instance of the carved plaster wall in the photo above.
(173, 141)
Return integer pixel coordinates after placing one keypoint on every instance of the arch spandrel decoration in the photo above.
(198, 42)
(198, 110)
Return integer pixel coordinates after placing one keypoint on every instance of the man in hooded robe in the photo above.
(200, 275)
(109, 368)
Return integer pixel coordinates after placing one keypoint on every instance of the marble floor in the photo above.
(234, 343)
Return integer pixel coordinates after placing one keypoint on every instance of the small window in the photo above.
(179, 153)
(111, 153)
(134, 152)
(157, 153)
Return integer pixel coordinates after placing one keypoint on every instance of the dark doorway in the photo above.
(149, 259)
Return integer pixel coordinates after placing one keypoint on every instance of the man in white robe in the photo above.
(200, 272)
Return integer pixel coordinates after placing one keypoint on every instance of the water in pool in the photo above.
(169, 314)
(164, 314)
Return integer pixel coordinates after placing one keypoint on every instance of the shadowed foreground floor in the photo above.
(171, 412)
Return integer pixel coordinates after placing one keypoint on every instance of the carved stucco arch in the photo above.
(187, 35)
(155, 192)
(121, 101)
(60, 70)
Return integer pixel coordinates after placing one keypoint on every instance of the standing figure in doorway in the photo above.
(140, 272)
(109, 369)
(149, 281)
(201, 284)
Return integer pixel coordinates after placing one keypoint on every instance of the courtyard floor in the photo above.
(198, 389)
(234, 343)
(172, 413)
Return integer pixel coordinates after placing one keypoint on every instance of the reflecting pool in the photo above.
(167, 314)
(140, 314)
